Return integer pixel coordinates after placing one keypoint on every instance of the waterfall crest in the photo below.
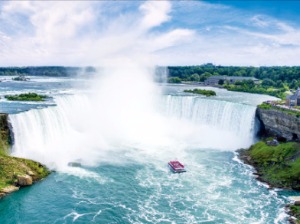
(226, 116)
(71, 130)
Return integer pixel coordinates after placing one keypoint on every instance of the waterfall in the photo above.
(226, 116)
(47, 134)
(74, 130)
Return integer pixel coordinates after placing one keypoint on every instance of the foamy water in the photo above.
(124, 176)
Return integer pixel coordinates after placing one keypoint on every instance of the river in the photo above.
(123, 137)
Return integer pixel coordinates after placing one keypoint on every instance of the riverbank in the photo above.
(270, 91)
(16, 172)
(279, 93)
(294, 211)
(278, 165)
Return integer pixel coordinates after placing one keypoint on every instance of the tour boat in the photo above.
(74, 164)
(176, 167)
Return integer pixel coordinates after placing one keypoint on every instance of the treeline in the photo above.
(267, 87)
(275, 75)
(200, 73)
(43, 71)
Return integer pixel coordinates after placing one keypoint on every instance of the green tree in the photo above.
(195, 77)
(294, 84)
(249, 83)
(239, 83)
(202, 78)
(174, 80)
(279, 84)
(207, 74)
(268, 82)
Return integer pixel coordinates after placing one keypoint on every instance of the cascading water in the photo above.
(128, 146)
(46, 134)
(232, 125)
(64, 133)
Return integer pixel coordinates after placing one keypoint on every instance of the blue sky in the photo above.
(273, 8)
(284, 10)
(150, 32)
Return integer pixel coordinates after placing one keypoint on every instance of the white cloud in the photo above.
(60, 21)
(55, 29)
(74, 33)
(169, 39)
(23, 7)
(287, 35)
(155, 13)
(155, 32)
(260, 21)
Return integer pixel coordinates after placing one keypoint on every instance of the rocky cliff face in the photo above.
(4, 132)
(279, 123)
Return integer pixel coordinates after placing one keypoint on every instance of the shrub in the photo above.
(265, 106)
(201, 91)
(26, 97)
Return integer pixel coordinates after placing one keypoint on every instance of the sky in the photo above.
(92, 33)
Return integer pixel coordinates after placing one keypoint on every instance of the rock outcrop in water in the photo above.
(15, 172)
(24, 180)
(279, 123)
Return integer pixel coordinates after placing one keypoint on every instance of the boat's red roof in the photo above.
(176, 164)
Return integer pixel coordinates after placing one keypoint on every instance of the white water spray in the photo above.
(128, 114)
(124, 110)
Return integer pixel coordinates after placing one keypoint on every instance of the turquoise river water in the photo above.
(124, 144)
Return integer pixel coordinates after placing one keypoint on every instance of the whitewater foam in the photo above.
(77, 129)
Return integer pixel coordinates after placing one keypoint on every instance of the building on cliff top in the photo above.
(214, 80)
(293, 100)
